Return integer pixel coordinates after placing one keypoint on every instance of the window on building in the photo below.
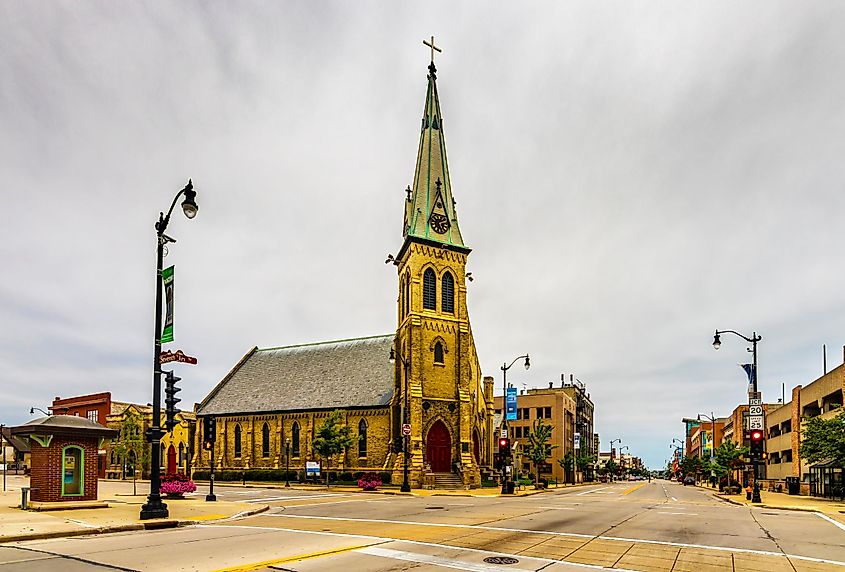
(526, 413)
(447, 293)
(429, 290)
(362, 438)
(265, 441)
(407, 294)
(294, 439)
(92, 415)
(540, 413)
(181, 454)
(438, 353)
(237, 441)
(548, 412)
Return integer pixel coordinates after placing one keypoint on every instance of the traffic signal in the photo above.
(209, 432)
(171, 400)
(497, 461)
(756, 444)
(399, 444)
(504, 447)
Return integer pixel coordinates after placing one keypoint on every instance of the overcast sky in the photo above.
(630, 177)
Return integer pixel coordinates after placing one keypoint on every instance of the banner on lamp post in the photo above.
(510, 404)
(167, 279)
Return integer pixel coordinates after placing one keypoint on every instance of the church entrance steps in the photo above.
(447, 481)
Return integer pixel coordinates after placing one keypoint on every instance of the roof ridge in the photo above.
(325, 342)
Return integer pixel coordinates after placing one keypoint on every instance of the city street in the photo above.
(627, 525)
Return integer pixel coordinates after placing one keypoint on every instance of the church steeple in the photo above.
(430, 212)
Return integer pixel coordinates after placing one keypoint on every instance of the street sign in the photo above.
(510, 404)
(406, 429)
(755, 410)
(178, 355)
(755, 401)
(504, 433)
(756, 422)
(312, 468)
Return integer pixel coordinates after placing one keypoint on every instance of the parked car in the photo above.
(689, 481)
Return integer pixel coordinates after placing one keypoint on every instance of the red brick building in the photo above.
(94, 407)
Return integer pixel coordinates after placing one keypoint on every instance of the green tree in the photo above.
(131, 447)
(332, 438)
(538, 449)
(690, 465)
(824, 440)
(567, 463)
(727, 458)
(610, 468)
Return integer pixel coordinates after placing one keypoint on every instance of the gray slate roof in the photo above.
(62, 424)
(327, 375)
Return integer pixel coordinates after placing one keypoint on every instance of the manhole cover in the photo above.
(500, 560)
(434, 507)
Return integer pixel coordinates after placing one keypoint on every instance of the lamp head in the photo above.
(392, 357)
(189, 205)
(716, 341)
(527, 362)
(287, 441)
(31, 410)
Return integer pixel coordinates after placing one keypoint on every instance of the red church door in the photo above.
(438, 447)
(171, 460)
(476, 448)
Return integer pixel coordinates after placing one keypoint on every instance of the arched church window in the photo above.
(407, 294)
(265, 441)
(448, 293)
(181, 454)
(438, 353)
(402, 312)
(362, 438)
(294, 439)
(237, 441)
(429, 290)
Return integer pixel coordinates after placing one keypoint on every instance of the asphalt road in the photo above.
(634, 526)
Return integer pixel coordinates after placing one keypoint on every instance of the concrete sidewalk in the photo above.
(121, 515)
(784, 501)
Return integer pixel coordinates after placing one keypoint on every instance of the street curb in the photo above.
(152, 525)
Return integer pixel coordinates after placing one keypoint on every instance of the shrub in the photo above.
(345, 476)
(201, 475)
(385, 477)
(369, 481)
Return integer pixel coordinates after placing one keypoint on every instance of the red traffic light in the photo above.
(503, 442)
(756, 435)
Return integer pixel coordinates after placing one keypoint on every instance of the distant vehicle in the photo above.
(689, 481)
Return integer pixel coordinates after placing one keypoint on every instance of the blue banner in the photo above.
(750, 371)
(510, 404)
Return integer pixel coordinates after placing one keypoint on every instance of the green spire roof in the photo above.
(430, 212)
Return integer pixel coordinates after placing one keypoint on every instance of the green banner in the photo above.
(167, 278)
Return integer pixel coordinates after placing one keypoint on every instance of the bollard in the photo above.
(24, 493)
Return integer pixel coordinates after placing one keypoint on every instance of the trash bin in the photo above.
(24, 495)
(793, 485)
(511, 487)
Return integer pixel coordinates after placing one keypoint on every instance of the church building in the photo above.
(417, 392)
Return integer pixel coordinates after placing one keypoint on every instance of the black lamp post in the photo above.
(154, 507)
(717, 342)
(505, 368)
(32, 411)
(287, 462)
(406, 420)
(712, 419)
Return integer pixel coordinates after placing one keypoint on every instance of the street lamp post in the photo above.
(505, 368)
(287, 462)
(154, 507)
(612, 455)
(406, 420)
(717, 342)
(32, 411)
(712, 419)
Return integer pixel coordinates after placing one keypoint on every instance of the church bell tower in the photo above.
(438, 378)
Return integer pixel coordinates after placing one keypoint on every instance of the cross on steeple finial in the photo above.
(433, 48)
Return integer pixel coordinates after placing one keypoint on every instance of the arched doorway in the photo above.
(171, 460)
(438, 448)
(476, 447)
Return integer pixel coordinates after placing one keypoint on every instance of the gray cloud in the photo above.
(630, 176)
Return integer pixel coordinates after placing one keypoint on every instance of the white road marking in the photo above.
(436, 560)
(555, 533)
(330, 502)
(686, 513)
(831, 521)
(674, 499)
(303, 497)
(80, 523)
(592, 491)
(557, 507)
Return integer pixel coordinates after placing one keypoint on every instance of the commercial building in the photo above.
(584, 424)
(556, 408)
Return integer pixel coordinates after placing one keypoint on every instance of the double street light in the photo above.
(154, 507)
(406, 419)
(505, 367)
(717, 343)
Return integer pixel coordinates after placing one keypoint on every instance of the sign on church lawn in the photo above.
(312, 469)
